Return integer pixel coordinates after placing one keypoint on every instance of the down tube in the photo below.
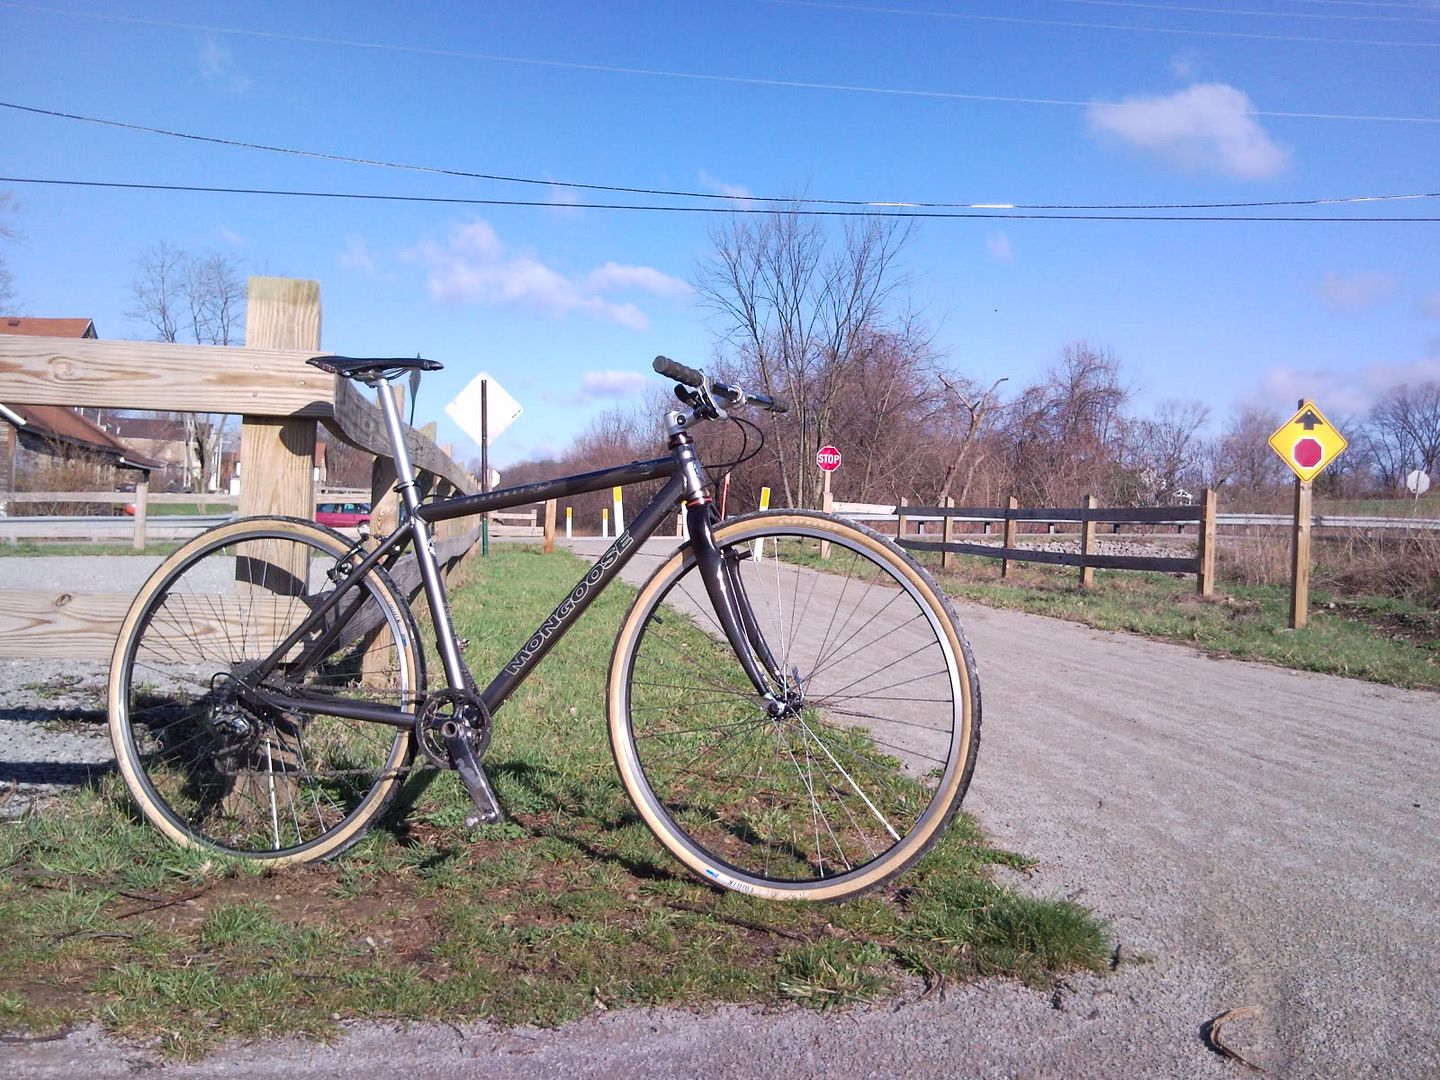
(604, 571)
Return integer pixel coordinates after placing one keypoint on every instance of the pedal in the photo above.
(472, 775)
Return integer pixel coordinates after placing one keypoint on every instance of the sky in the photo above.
(1022, 102)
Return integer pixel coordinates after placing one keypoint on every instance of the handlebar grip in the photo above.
(779, 404)
(679, 372)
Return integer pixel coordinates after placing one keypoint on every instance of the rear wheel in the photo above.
(868, 761)
(211, 766)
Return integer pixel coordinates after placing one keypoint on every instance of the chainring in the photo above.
(465, 710)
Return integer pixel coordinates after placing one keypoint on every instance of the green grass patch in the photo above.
(569, 907)
(1377, 639)
(33, 548)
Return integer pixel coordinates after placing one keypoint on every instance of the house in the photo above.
(54, 448)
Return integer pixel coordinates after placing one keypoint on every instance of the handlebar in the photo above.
(733, 395)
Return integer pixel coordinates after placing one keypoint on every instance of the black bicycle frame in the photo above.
(595, 580)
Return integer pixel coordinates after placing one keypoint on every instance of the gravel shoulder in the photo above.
(1257, 837)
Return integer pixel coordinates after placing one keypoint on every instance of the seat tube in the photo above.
(455, 674)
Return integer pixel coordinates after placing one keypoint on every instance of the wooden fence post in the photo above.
(947, 558)
(277, 455)
(1300, 558)
(142, 499)
(549, 526)
(1087, 542)
(1205, 580)
(901, 521)
(1009, 541)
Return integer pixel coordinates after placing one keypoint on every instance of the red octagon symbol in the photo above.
(1308, 453)
(828, 458)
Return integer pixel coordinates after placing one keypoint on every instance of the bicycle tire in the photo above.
(209, 771)
(854, 791)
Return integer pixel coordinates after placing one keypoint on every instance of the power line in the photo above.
(995, 213)
(681, 194)
(1123, 27)
(1260, 14)
(612, 69)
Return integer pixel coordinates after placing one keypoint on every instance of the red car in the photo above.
(343, 515)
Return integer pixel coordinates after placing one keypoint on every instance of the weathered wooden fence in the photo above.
(1087, 559)
(279, 398)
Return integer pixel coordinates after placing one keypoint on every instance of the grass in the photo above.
(32, 548)
(567, 908)
(1372, 638)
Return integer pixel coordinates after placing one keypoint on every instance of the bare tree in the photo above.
(1169, 447)
(7, 232)
(200, 298)
(1403, 432)
(797, 316)
(1244, 461)
(971, 413)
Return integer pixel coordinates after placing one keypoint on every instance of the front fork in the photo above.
(720, 571)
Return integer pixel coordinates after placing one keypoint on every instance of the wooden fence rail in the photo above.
(268, 384)
(1087, 559)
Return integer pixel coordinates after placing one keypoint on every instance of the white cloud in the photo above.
(1357, 293)
(999, 248)
(611, 384)
(614, 277)
(1342, 392)
(1186, 65)
(721, 187)
(475, 266)
(219, 67)
(357, 256)
(1207, 127)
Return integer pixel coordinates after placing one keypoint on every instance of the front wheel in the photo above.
(867, 762)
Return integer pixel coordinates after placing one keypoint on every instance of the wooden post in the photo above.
(901, 521)
(1009, 541)
(549, 526)
(1300, 558)
(947, 534)
(142, 498)
(278, 454)
(1205, 580)
(827, 504)
(1300, 552)
(1087, 543)
(384, 499)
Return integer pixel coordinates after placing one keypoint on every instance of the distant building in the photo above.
(41, 445)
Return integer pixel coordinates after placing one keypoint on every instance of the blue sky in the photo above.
(896, 100)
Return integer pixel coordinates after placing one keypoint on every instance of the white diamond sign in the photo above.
(465, 409)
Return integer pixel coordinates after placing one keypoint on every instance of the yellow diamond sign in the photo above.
(1307, 442)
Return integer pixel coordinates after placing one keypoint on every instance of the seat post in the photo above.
(455, 673)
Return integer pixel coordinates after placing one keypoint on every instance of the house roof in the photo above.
(58, 422)
(73, 328)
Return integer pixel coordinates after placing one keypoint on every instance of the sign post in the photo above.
(483, 410)
(1307, 442)
(827, 459)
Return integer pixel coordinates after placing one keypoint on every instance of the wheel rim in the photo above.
(215, 771)
(855, 777)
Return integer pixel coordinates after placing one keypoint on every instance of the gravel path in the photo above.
(1260, 839)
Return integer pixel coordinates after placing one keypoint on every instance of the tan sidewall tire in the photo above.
(947, 799)
(131, 772)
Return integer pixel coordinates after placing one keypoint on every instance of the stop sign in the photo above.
(828, 458)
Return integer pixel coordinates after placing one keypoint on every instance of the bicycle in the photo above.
(784, 731)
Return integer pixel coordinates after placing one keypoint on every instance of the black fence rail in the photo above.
(1087, 558)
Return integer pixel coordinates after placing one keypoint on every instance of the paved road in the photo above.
(1259, 838)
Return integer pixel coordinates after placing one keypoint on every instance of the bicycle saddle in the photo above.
(374, 367)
